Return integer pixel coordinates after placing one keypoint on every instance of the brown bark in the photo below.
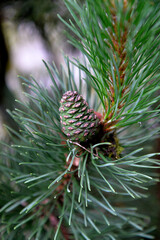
(120, 55)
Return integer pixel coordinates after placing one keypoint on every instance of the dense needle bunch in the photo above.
(84, 188)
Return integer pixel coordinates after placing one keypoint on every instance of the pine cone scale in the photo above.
(78, 121)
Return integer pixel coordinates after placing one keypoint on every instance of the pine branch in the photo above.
(105, 54)
(75, 168)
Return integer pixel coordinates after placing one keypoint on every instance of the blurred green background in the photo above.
(29, 32)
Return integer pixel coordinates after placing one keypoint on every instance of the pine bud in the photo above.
(78, 121)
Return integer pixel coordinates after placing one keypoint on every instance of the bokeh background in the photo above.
(29, 32)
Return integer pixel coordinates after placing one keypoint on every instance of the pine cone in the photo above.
(78, 122)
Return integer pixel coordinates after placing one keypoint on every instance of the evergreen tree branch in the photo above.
(56, 187)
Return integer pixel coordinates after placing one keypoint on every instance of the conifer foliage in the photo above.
(80, 159)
